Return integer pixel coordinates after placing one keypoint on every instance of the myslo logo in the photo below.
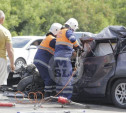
(61, 70)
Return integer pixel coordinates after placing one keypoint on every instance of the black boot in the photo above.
(47, 94)
(53, 93)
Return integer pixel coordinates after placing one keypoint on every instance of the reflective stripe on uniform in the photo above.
(64, 43)
(43, 63)
(50, 86)
(46, 48)
(68, 89)
(76, 45)
(47, 90)
(63, 87)
(61, 58)
(65, 91)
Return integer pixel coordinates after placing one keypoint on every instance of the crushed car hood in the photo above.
(109, 32)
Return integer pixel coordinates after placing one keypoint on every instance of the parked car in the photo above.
(101, 69)
(25, 48)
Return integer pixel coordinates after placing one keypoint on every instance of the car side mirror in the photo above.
(32, 47)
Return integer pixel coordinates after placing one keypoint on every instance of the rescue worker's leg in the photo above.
(49, 83)
(41, 61)
(63, 72)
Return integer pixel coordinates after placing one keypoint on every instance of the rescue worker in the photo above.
(43, 55)
(65, 42)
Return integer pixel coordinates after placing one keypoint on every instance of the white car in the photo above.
(25, 48)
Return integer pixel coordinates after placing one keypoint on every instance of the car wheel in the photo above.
(118, 93)
(31, 84)
(19, 62)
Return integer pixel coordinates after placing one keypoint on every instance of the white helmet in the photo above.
(73, 23)
(55, 28)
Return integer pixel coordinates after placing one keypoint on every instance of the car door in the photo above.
(97, 70)
(121, 61)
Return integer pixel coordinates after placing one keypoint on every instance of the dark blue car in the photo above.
(101, 68)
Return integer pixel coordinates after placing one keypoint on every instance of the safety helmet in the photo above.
(55, 28)
(73, 23)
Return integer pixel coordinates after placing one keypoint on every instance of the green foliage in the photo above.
(34, 17)
(119, 9)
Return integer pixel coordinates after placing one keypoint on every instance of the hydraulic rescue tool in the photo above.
(7, 104)
(63, 101)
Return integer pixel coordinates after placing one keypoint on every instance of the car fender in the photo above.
(111, 82)
(20, 53)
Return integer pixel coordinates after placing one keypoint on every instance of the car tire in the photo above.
(118, 93)
(19, 62)
(31, 84)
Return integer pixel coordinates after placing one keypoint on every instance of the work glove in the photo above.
(74, 54)
(80, 48)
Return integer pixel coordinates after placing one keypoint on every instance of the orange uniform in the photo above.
(63, 68)
(63, 40)
(45, 44)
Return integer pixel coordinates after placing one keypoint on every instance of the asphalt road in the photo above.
(54, 107)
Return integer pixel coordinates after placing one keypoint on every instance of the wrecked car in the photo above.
(101, 68)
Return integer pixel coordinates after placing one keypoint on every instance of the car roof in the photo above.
(87, 36)
(31, 37)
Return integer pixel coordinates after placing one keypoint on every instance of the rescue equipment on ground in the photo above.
(7, 104)
(64, 101)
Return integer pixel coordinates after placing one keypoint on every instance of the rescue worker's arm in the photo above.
(72, 38)
(52, 43)
(74, 54)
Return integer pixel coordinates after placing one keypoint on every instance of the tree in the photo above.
(34, 17)
(119, 9)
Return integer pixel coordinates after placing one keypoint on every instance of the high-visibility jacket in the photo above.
(45, 44)
(62, 59)
(64, 45)
(63, 40)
